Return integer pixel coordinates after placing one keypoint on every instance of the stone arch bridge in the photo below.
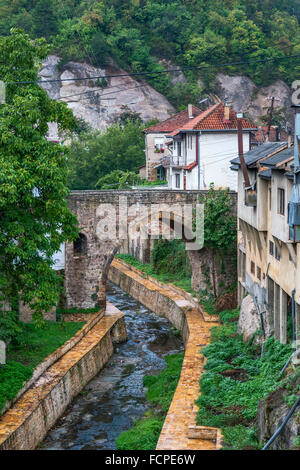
(126, 222)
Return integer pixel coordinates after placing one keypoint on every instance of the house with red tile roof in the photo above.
(200, 150)
(156, 139)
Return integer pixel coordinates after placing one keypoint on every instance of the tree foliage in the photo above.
(34, 217)
(220, 225)
(189, 33)
(97, 154)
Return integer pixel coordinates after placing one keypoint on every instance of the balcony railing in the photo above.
(177, 160)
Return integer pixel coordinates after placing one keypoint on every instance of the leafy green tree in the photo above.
(220, 227)
(34, 216)
(45, 22)
(96, 154)
(118, 179)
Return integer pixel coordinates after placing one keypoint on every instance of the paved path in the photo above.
(180, 422)
(182, 412)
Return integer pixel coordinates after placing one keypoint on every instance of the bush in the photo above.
(236, 377)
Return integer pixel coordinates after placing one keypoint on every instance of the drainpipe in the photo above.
(294, 316)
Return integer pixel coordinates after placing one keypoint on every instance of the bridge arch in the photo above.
(86, 276)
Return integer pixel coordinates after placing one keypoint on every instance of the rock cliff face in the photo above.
(271, 413)
(101, 106)
(246, 97)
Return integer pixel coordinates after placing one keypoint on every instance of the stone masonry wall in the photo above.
(85, 276)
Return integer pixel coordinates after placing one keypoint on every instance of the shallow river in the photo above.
(116, 397)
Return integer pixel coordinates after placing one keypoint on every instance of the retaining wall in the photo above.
(26, 424)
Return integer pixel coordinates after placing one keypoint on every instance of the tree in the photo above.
(34, 216)
(45, 20)
(120, 147)
(118, 179)
(220, 228)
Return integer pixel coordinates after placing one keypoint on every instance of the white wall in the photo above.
(216, 151)
(59, 259)
(279, 223)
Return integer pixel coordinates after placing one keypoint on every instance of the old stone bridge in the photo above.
(125, 222)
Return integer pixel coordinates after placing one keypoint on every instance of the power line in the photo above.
(158, 72)
(100, 89)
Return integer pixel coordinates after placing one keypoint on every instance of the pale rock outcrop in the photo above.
(249, 321)
(100, 107)
(246, 97)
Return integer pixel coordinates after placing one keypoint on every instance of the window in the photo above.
(252, 267)
(190, 141)
(159, 145)
(177, 180)
(270, 198)
(281, 202)
(179, 149)
(271, 248)
(80, 245)
(277, 253)
(258, 273)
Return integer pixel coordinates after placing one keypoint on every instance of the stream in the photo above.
(115, 398)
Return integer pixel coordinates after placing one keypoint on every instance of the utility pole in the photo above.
(241, 149)
(270, 112)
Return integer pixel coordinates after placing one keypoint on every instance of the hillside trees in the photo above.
(97, 154)
(189, 33)
(34, 217)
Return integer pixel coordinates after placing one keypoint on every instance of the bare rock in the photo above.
(249, 320)
(246, 97)
(271, 413)
(177, 77)
(99, 105)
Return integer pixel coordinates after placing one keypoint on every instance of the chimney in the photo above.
(290, 139)
(226, 112)
(190, 111)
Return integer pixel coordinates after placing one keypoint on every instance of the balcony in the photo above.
(177, 161)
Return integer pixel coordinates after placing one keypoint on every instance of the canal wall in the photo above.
(180, 430)
(26, 424)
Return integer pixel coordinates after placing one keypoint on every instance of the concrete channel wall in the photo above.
(26, 424)
(180, 430)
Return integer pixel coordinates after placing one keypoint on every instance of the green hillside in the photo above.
(195, 34)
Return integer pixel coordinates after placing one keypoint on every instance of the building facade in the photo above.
(200, 151)
(268, 258)
(157, 138)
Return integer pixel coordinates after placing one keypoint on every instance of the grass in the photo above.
(181, 282)
(74, 310)
(236, 377)
(160, 390)
(37, 344)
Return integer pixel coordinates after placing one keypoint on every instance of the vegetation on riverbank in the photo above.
(169, 264)
(160, 390)
(37, 343)
(236, 377)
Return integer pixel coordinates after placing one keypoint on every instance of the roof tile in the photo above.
(175, 121)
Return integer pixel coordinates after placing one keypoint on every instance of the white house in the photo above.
(157, 138)
(209, 140)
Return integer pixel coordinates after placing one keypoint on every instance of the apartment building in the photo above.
(268, 252)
